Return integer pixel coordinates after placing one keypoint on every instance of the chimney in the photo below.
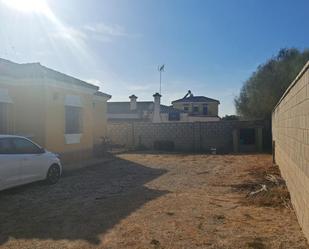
(132, 102)
(156, 109)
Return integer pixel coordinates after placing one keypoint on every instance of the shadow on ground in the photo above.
(82, 206)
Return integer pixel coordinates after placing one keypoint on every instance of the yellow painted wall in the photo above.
(27, 110)
(100, 120)
(212, 107)
(55, 119)
(38, 111)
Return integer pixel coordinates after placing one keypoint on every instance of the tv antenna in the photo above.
(161, 69)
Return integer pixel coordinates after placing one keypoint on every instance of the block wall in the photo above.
(187, 136)
(290, 128)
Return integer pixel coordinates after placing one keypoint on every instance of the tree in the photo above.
(261, 92)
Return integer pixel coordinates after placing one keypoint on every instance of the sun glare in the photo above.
(28, 6)
(56, 28)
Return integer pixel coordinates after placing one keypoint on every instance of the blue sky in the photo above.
(208, 46)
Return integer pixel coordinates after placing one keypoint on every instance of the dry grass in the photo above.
(155, 201)
(276, 194)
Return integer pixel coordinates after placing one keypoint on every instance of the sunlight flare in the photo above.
(28, 6)
(70, 37)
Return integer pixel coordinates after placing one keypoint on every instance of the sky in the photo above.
(208, 46)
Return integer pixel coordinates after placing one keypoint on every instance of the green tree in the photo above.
(261, 92)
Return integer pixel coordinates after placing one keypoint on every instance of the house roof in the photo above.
(196, 99)
(124, 107)
(101, 94)
(36, 70)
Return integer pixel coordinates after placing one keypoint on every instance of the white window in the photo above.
(73, 120)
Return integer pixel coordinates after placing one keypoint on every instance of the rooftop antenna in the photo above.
(161, 69)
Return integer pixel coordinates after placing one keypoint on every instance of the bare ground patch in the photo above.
(155, 201)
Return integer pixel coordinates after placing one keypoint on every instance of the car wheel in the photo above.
(53, 174)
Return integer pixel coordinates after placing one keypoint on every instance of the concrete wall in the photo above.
(197, 136)
(290, 128)
(184, 117)
(202, 119)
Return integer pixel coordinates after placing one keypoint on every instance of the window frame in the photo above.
(193, 109)
(77, 127)
(186, 108)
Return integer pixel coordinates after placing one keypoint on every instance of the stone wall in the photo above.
(197, 136)
(290, 127)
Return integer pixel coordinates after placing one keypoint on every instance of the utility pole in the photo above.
(161, 69)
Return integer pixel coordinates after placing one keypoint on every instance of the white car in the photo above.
(23, 161)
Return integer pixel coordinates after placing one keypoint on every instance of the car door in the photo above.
(10, 164)
(32, 163)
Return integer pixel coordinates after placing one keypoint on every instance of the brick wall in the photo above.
(197, 136)
(290, 127)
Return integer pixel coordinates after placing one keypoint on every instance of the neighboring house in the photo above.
(147, 111)
(64, 114)
(188, 109)
(198, 108)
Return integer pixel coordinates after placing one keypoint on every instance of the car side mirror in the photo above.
(41, 151)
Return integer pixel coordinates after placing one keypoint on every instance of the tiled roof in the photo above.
(196, 99)
(36, 70)
(98, 93)
(124, 107)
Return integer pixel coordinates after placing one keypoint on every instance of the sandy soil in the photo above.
(154, 201)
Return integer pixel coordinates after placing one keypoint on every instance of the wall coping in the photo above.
(300, 74)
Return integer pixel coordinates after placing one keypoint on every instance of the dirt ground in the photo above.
(155, 201)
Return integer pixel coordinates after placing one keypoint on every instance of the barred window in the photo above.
(195, 108)
(73, 120)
